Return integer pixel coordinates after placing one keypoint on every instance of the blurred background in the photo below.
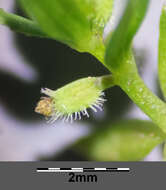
(27, 64)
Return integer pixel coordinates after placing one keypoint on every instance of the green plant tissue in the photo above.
(128, 140)
(78, 23)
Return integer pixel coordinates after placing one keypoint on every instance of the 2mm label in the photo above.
(77, 178)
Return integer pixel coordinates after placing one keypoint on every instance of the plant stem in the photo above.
(20, 24)
(162, 51)
(129, 80)
(106, 81)
(126, 76)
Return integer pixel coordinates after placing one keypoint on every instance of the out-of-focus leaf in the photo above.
(162, 51)
(123, 141)
(78, 23)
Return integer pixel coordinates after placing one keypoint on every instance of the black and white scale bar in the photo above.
(67, 170)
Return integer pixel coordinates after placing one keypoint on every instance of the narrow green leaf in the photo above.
(162, 51)
(78, 23)
(123, 141)
(120, 41)
(20, 24)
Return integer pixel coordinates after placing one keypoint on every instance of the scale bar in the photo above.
(68, 170)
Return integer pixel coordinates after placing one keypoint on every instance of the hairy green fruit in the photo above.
(72, 100)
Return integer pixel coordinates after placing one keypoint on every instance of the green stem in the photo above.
(129, 80)
(106, 81)
(120, 40)
(120, 62)
(127, 77)
(20, 24)
(162, 51)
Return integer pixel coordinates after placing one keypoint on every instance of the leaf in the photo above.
(20, 24)
(162, 51)
(118, 44)
(78, 23)
(122, 141)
